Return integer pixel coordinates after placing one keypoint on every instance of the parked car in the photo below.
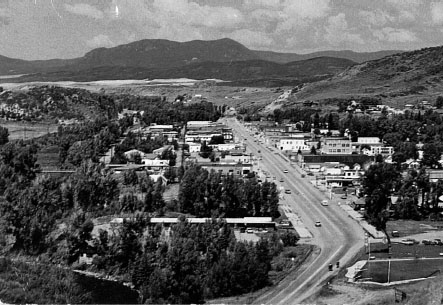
(318, 224)
(426, 242)
(286, 171)
(249, 230)
(287, 191)
(344, 197)
(324, 202)
(395, 234)
(285, 223)
(407, 242)
(438, 242)
(414, 241)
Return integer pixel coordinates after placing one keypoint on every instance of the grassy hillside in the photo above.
(398, 79)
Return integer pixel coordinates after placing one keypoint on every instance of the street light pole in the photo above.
(389, 269)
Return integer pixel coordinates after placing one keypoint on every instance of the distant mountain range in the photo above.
(158, 58)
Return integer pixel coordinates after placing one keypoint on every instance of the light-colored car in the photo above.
(407, 242)
(286, 171)
(324, 202)
(249, 230)
(318, 224)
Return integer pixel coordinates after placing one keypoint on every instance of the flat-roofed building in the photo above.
(336, 145)
(293, 144)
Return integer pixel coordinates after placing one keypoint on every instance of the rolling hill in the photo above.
(347, 54)
(154, 58)
(300, 71)
(400, 78)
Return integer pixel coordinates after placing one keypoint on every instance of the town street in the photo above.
(338, 238)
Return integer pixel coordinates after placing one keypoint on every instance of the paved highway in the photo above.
(338, 239)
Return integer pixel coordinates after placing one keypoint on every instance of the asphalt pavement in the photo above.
(339, 237)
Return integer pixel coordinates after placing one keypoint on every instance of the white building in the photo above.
(368, 140)
(194, 147)
(292, 144)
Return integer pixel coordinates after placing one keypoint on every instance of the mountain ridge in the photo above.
(154, 54)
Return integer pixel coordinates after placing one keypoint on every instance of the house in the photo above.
(130, 154)
(382, 150)
(435, 175)
(194, 147)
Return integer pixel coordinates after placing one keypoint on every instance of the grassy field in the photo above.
(377, 271)
(410, 227)
(379, 251)
(26, 130)
(48, 158)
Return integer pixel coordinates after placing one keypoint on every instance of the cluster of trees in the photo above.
(4, 135)
(189, 263)
(166, 113)
(415, 196)
(135, 141)
(403, 132)
(38, 283)
(207, 194)
(52, 102)
(89, 140)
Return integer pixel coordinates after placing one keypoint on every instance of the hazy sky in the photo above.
(42, 29)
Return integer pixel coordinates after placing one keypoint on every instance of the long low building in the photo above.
(256, 222)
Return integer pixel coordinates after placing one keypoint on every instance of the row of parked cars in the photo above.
(411, 241)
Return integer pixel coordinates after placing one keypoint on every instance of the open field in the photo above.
(26, 130)
(401, 270)
(410, 227)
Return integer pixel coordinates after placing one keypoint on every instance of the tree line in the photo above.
(208, 194)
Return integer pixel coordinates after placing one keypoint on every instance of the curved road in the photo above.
(339, 238)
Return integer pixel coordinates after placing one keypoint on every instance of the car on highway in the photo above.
(324, 202)
(286, 171)
(318, 224)
(287, 191)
